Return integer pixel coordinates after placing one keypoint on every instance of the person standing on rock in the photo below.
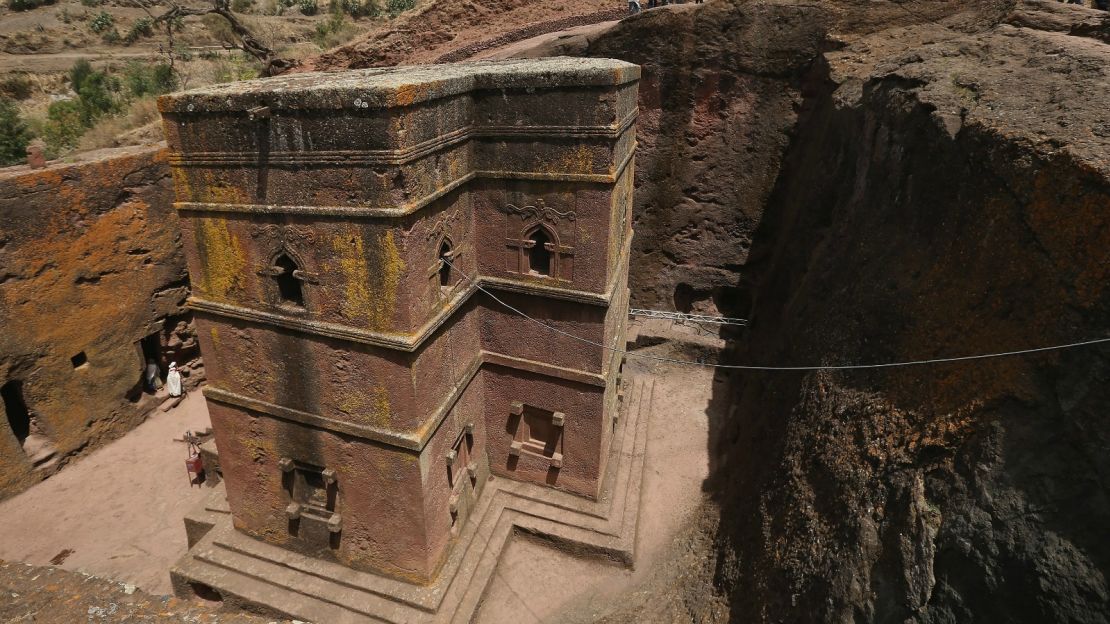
(150, 376)
(173, 380)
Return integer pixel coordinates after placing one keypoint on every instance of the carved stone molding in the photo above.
(283, 233)
(446, 225)
(540, 211)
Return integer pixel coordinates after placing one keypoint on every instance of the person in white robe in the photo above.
(173, 380)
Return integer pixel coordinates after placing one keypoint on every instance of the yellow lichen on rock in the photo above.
(369, 291)
(369, 408)
(224, 262)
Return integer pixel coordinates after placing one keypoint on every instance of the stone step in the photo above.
(46, 463)
(245, 590)
(406, 594)
(39, 450)
(305, 593)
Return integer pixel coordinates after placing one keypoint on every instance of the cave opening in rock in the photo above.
(289, 287)
(683, 298)
(150, 348)
(539, 256)
(19, 417)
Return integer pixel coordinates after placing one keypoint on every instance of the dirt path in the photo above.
(63, 61)
(532, 31)
(119, 510)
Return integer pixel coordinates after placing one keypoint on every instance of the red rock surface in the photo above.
(90, 263)
(48, 595)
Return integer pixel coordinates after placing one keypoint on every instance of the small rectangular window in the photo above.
(538, 432)
(79, 360)
(312, 490)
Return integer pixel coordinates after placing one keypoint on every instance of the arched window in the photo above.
(539, 256)
(289, 286)
(444, 263)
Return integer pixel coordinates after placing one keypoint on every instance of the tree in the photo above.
(242, 38)
(64, 126)
(14, 135)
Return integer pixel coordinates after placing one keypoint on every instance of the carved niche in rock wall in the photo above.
(285, 264)
(445, 239)
(541, 245)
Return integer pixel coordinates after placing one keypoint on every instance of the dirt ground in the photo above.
(118, 510)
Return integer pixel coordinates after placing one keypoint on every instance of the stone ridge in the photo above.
(399, 86)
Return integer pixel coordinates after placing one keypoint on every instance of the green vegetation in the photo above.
(143, 79)
(99, 95)
(242, 6)
(95, 92)
(102, 22)
(233, 69)
(333, 31)
(308, 7)
(359, 8)
(143, 27)
(14, 135)
(63, 127)
(396, 7)
(104, 25)
(92, 3)
(27, 5)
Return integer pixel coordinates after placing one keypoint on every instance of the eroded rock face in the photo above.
(90, 265)
(718, 100)
(947, 193)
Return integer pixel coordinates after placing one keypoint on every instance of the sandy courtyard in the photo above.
(119, 509)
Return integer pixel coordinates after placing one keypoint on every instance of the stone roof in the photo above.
(399, 86)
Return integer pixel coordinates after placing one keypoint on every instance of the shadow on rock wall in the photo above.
(929, 207)
(718, 98)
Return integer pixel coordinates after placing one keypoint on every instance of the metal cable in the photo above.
(684, 317)
(644, 356)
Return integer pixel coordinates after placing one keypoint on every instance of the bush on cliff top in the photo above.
(396, 7)
(14, 135)
(63, 127)
(27, 5)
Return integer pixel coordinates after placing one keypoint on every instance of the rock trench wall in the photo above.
(90, 264)
(947, 193)
(879, 183)
(718, 102)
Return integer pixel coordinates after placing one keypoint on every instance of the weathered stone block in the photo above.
(347, 233)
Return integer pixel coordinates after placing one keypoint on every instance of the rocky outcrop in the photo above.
(90, 266)
(947, 193)
(49, 594)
